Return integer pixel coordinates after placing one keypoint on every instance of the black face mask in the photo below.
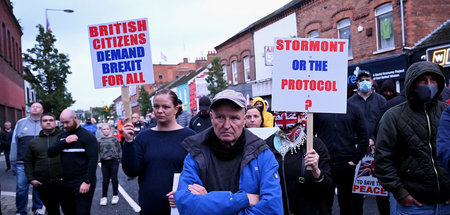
(426, 92)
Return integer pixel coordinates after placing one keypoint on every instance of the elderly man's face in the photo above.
(228, 123)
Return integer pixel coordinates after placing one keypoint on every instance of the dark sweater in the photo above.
(155, 156)
(79, 159)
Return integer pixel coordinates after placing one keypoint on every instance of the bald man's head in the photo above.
(69, 120)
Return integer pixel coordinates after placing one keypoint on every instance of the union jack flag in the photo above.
(366, 168)
(287, 120)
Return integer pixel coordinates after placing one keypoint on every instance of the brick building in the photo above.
(164, 73)
(12, 95)
(386, 36)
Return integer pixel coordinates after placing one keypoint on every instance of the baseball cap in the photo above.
(204, 103)
(230, 95)
(363, 73)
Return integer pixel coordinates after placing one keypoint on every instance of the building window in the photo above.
(225, 77)
(313, 34)
(160, 77)
(235, 73)
(247, 68)
(344, 33)
(385, 29)
(28, 96)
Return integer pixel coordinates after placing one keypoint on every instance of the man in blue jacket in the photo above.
(228, 169)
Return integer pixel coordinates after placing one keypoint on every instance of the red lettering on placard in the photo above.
(311, 85)
(310, 45)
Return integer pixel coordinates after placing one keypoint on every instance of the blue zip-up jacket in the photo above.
(258, 175)
(26, 129)
(443, 140)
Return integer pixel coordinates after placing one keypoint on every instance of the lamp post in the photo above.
(46, 15)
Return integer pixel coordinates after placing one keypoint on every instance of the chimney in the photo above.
(210, 56)
(185, 60)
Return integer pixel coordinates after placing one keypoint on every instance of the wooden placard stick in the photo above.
(309, 134)
(126, 103)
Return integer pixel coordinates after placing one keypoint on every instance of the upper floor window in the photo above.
(160, 77)
(313, 34)
(224, 70)
(344, 33)
(235, 73)
(385, 28)
(247, 68)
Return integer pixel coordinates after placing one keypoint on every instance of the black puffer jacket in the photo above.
(405, 156)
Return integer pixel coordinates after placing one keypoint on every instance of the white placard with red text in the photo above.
(310, 75)
(120, 53)
(365, 182)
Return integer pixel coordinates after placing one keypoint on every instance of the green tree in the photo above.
(144, 101)
(50, 70)
(215, 80)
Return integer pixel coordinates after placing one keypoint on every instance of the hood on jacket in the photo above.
(417, 69)
(259, 99)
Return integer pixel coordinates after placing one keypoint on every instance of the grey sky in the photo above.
(178, 28)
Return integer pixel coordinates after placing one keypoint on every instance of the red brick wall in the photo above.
(421, 17)
(11, 82)
(236, 50)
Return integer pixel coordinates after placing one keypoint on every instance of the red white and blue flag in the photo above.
(366, 168)
(286, 120)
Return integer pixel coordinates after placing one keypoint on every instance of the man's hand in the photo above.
(171, 199)
(408, 201)
(351, 163)
(71, 138)
(253, 199)
(312, 159)
(128, 132)
(84, 188)
(197, 189)
(371, 145)
(447, 202)
(35, 183)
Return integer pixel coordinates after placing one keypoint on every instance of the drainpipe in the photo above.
(403, 26)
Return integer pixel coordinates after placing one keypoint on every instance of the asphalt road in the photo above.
(129, 188)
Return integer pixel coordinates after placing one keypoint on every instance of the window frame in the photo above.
(310, 34)
(234, 71)
(384, 9)
(344, 24)
(247, 68)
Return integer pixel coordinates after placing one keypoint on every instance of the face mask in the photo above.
(365, 86)
(426, 92)
(286, 121)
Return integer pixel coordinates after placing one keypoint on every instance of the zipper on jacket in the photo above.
(285, 185)
(48, 146)
(431, 153)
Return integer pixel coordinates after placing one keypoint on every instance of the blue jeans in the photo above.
(22, 187)
(427, 209)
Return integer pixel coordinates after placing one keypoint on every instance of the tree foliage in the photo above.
(144, 101)
(215, 80)
(49, 73)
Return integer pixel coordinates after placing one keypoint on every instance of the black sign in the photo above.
(439, 55)
(392, 67)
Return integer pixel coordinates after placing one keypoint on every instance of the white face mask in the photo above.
(365, 86)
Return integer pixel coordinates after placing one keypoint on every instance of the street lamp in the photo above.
(46, 15)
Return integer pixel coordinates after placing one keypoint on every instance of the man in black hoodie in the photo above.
(406, 164)
(42, 172)
(202, 120)
(78, 149)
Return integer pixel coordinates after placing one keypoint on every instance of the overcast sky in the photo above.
(178, 28)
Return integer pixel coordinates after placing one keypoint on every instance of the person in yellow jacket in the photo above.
(268, 117)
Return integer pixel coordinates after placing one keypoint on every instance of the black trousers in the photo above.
(50, 195)
(349, 203)
(8, 163)
(109, 172)
(75, 203)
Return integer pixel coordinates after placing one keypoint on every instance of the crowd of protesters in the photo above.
(227, 169)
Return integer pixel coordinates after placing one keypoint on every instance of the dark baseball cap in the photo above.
(204, 103)
(363, 73)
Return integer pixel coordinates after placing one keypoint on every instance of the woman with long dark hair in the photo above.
(156, 154)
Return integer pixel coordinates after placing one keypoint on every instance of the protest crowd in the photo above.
(400, 141)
